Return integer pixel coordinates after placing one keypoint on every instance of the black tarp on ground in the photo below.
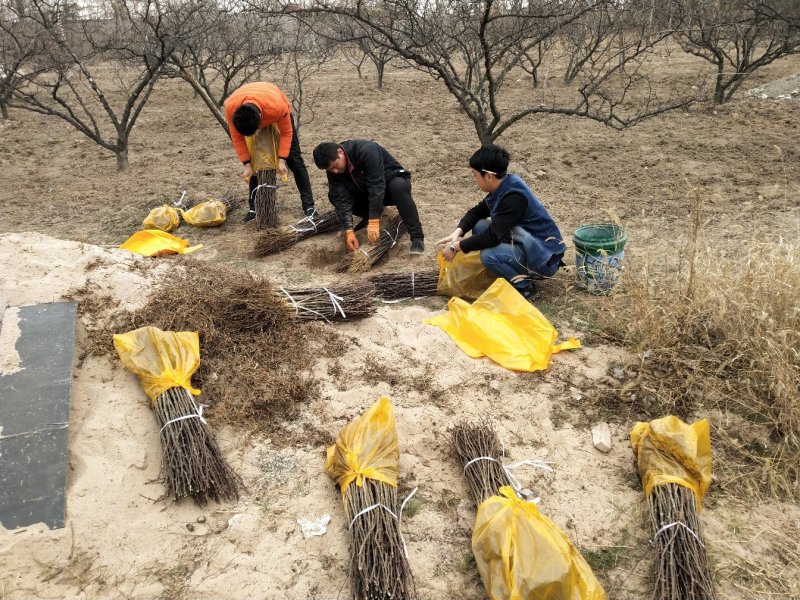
(34, 417)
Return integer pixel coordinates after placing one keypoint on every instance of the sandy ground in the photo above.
(120, 543)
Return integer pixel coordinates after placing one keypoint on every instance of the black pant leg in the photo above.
(251, 198)
(398, 193)
(298, 168)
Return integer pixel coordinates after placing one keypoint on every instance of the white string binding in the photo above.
(335, 302)
(297, 306)
(675, 524)
(308, 219)
(197, 415)
(394, 516)
(508, 468)
(393, 237)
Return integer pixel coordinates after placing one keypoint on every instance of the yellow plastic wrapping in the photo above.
(152, 242)
(206, 214)
(263, 148)
(165, 218)
(670, 451)
(366, 448)
(464, 276)
(522, 555)
(504, 326)
(161, 359)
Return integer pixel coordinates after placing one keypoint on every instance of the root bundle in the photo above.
(362, 259)
(401, 286)
(479, 451)
(191, 461)
(681, 566)
(350, 301)
(266, 200)
(273, 241)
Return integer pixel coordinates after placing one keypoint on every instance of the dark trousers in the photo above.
(297, 166)
(398, 193)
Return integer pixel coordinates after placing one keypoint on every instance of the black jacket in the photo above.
(370, 167)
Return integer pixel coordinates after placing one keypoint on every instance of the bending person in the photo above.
(258, 105)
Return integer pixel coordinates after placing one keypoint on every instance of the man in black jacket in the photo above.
(363, 178)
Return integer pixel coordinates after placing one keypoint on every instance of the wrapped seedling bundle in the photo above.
(364, 462)
(674, 461)
(191, 461)
(519, 553)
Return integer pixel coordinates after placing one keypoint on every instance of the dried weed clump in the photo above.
(254, 354)
(720, 339)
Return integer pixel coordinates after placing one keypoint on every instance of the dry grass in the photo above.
(254, 353)
(718, 336)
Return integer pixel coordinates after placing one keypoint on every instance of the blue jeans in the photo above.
(515, 262)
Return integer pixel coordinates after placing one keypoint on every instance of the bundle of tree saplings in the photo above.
(364, 462)
(391, 287)
(519, 553)
(346, 301)
(273, 241)
(191, 461)
(674, 461)
(265, 199)
(362, 259)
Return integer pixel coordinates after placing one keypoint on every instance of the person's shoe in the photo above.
(530, 293)
(251, 214)
(417, 246)
(310, 212)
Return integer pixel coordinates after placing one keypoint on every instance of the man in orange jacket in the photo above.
(255, 106)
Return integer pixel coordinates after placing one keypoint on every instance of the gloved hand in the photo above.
(374, 231)
(351, 240)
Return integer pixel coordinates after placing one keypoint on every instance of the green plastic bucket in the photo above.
(599, 256)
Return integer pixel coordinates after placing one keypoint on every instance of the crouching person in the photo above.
(363, 178)
(512, 230)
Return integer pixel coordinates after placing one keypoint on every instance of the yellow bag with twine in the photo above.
(263, 148)
(522, 555)
(161, 359)
(165, 218)
(504, 326)
(152, 242)
(670, 451)
(366, 448)
(209, 213)
(464, 276)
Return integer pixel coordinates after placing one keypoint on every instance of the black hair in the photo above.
(492, 158)
(246, 119)
(325, 153)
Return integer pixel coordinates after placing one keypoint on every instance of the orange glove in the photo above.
(352, 241)
(374, 231)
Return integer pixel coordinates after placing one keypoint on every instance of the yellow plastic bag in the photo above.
(263, 148)
(161, 359)
(366, 448)
(152, 242)
(165, 218)
(670, 451)
(504, 326)
(206, 214)
(522, 555)
(464, 276)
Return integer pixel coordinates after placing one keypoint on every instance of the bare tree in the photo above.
(95, 74)
(738, 37)
(474, 46)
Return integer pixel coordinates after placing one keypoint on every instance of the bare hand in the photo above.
(452, 238)
(247, 173)
(447, 253)
(283, 171)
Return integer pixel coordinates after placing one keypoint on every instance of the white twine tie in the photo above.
(677, 524)
(308, 219)
(394, 516)
(297, 306)
(197, 415)
(393, 237)
(508, 468)
(335, 300)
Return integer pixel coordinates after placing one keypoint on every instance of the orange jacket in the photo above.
(275, 108)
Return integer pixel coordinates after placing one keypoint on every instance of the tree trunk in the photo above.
(380, 67)
(719, 90)
(4, 110)
(122, 157)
